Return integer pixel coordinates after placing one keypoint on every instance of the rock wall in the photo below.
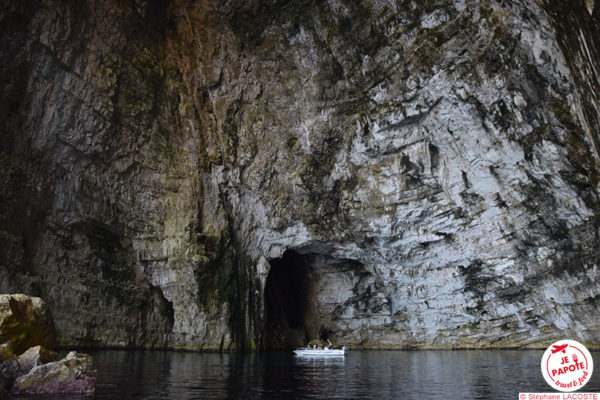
(102, 188)
(429, 170)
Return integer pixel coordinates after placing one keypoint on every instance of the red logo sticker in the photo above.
(567, 365)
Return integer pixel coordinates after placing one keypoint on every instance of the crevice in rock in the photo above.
(412, 119)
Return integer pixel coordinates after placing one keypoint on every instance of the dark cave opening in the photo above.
(289, 319)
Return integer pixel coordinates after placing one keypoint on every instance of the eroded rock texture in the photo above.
(208, 174)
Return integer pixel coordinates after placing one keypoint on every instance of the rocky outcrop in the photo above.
(72, 375)
(24, 322)
(34, 357)
(249, 173)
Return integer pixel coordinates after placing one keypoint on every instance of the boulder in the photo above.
(25, 322)
(72, 375)
(33, 357)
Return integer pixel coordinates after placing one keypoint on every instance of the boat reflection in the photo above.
(309, 361)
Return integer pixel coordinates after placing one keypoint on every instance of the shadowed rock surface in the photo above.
(427, 171)
(24, 322)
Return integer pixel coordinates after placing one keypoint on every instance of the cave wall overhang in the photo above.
(437, 163)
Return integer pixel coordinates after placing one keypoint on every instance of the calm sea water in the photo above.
(361, 375)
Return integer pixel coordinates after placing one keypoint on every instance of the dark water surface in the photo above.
(361, 375)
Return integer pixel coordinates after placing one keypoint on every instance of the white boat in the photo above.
(321, 352)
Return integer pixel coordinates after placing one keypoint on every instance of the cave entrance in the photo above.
(290, 319)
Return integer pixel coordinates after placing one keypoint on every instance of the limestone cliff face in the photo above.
(207, 174)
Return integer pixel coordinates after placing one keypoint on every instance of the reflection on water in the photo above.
(310, 361)
(368, 374)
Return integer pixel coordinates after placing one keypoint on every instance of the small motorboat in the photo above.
(308, 352)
